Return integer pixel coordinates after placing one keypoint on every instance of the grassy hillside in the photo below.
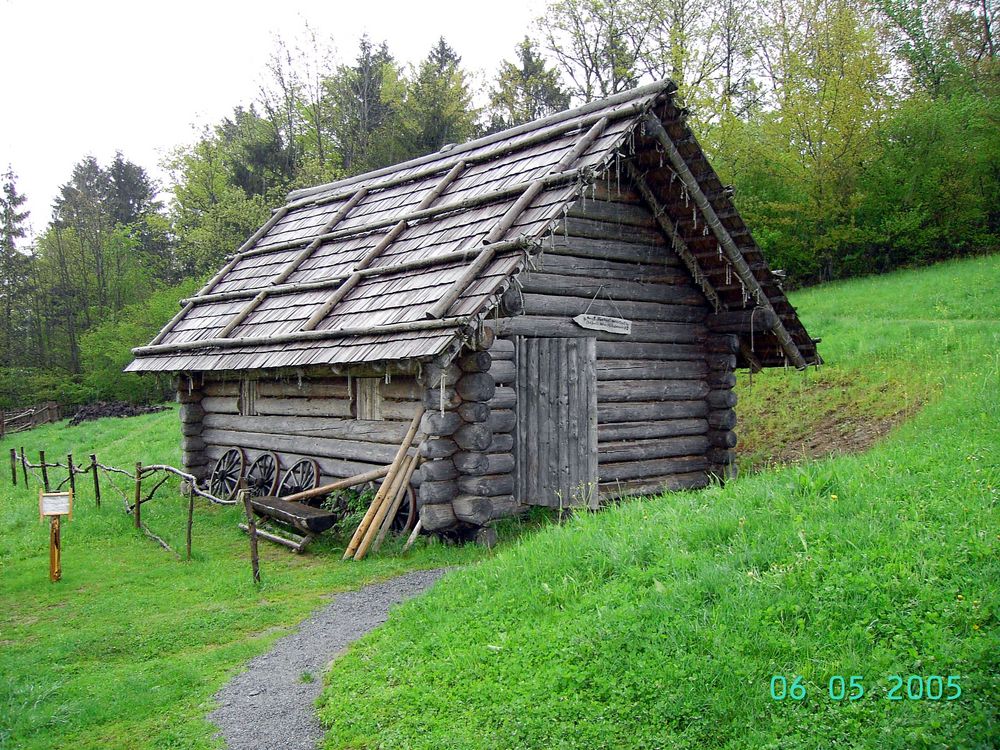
(660, 624)
(128, 649)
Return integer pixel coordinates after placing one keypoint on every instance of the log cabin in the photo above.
(568, 301)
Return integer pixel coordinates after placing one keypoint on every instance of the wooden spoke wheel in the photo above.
(227, 474)
(406, 516)
(302, 476)
(264, 475)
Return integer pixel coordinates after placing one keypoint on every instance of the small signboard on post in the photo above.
(55, 505)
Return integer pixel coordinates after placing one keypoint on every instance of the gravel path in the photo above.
(269, 705)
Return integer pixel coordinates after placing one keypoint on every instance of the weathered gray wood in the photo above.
(191, 428)
(439, 448)
(640, 450)
(331, 469)
(722, 438)
(741, 321)
(723, 419)
(191, 412)
(721, 455)
(610, 433)
(432, 492)
(662, 270)
(378, 453)
(472, 462)
(437, 423)
(612, 413)
(722, 399)
(384, 431)
(501, 444)
(439, 470)
(193, 443)
(437, 516)
(556, 426)
(600, 230)
(302, 407)
(474, 509)
(499, 484)
(605, 249)
(640, 350)
(561, 327)
(475, 362)
(645, 369)
(724, 344)
(512, 301)
(502, 420)
(614, 212)
(503, 398)
(478, 386)
(503, 372)
(502, 349)
(546, 305)
(721, 379)
(433, 373)
(721, 361)
(433, 398)
(474, 411)
(654, 486)
(474, 437)
(617, 391)
(651, 468)
(556, 284)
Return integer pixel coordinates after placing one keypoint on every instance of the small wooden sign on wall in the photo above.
(55, 505)
(604, 323)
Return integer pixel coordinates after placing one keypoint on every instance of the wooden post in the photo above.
(55, 548)
(97, 481)
(72, 473)
(413, 535)
(190, 520)
(3, 423)
(24, 467)
(137, 508)
(13, 467)
(45, 470)
(252, 533)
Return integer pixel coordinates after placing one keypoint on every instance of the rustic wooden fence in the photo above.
(25, 419)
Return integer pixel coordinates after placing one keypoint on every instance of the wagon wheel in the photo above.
(406, 516)
(303, 476)
(264, 475)
(227, 474)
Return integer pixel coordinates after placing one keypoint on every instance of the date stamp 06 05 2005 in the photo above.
(852, 687)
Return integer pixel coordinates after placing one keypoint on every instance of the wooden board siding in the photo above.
(556, 439)
(609, 258)
(308, 419)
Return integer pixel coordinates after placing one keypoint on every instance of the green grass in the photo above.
(659, 623)
(129, 648)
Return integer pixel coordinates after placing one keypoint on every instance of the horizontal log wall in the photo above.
(307, 418)
(194, 457)
(653, 393)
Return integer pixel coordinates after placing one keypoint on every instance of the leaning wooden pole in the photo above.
(396, 502)
(340, 484)
(252, 533)
(45, 470)
(24, 466)
(190, 521)
(137, 508)
(389, 503)
(395, 466)
(72, 473)
(655, 128)
(13, 467)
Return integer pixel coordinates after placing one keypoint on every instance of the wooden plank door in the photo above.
(556, 437)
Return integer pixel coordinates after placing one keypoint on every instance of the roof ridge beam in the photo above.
(655, 128)
(487, 253)
(355, 278)
(593, 109)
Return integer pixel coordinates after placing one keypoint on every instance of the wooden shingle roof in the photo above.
(396, 264)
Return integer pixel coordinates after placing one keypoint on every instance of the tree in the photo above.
(12, 263)
(438, 106)
(525, 90)
(365, 100)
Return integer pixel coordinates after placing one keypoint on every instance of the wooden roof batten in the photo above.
(442, 306)
(655, 128)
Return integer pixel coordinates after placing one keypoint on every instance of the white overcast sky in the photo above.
(93, 77)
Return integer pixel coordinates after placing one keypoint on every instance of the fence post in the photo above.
(13, 466)
(252, 533)
(3, 423)
(137, 508)
(72, 473)
(190, 519)
(24, 467)
(45, 470)
(97, 481)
